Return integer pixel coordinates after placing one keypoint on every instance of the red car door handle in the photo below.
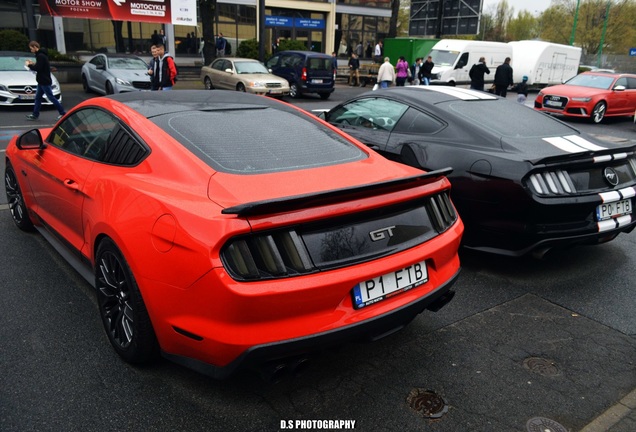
(71, 184)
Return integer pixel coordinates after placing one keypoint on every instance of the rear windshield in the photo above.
(509, 119)
(255, 141)
(319, 63)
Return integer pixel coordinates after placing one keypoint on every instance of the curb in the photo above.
(613, 415)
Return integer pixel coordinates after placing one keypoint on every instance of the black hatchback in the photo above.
(306, 71)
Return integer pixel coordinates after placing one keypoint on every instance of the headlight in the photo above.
(582, 99)
(122, 82)
(541, 93)
(257, 84)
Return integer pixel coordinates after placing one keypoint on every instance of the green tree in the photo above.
(12, 40)
(525, 26)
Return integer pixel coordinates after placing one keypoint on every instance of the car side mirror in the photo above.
(30, 140)
(229, 71)
(620, 88)
(100, 67)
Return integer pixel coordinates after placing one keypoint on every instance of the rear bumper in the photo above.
(369, 330)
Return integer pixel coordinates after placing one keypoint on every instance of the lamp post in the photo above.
(600, 48)
(576, 18)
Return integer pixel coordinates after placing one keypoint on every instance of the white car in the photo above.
(17, 82)
(245, 75)
(115, 73)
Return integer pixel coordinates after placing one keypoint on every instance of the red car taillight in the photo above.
(303, 76)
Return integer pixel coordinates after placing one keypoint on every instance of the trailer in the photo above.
(544, 63)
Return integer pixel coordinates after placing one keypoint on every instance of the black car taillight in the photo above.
(303, 75)
(267, 256)
(441, 212)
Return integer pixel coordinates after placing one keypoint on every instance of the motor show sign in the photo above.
(181, 12)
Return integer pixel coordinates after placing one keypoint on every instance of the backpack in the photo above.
(228, 48)
(176, 68)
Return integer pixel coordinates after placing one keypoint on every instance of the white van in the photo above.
(453, 59)
(544, 63)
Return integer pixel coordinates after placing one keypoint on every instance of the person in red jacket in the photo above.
(165, 72)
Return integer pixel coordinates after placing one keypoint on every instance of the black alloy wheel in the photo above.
(208, 83)
(293, 91)
(17, 207)
(109, 88)
(240, 87)
(122, 308)
(85, 86)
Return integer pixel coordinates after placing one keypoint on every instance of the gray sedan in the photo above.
(115, 73)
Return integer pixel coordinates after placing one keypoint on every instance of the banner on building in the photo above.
(181, 12)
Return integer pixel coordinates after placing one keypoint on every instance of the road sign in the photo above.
(632, 51)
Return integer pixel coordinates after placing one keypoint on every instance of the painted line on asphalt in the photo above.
(4, 206)
(613, 415)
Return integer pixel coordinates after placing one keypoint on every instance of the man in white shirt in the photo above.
(377, 53)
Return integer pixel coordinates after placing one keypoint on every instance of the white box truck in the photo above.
(453, 59)
(544, 63)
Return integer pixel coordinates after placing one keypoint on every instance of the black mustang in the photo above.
(522, 181)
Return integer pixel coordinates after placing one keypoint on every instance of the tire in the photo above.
(240, 87)
(324, 96)
(122, 308)
(109, 88)
(85, 86)
(293, 91)
(598, 112)
(17, 206)
(207, 82)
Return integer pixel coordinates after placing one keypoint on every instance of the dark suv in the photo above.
(306, 71)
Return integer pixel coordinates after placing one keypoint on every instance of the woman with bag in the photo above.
(402, 74)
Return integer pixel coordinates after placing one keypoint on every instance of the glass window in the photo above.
(84, 133)
(372, 113)
(621, 82)
(417, 122)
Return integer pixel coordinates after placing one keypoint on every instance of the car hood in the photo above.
(130, 75)
(573, 91)
(21, 78)
(229, 190)
(551, 148)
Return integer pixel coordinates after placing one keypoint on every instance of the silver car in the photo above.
(115, 73)
(243, 74)
(17, 82)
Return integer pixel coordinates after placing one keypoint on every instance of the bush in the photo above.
(291, 44)
(248, 49)
(12, 40)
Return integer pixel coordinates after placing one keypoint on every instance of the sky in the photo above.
(532, 6)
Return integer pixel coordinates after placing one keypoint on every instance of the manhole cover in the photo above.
(542, 424)
(426, 402)
(541, 366)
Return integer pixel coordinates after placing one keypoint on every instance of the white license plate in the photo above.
(275, 92)
(26, 97)
(385, 286)
(613, 209)
(317, 81)
(552, 103)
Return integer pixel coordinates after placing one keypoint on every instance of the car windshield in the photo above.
(509, 119)
(443, 58)
(126, 63)
(593, 81)
(14, 63)
(258, 140)
(250, 68)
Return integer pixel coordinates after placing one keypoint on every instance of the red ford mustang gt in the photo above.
(224, 229)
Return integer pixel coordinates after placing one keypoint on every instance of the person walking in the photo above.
(386, 74)
(426, 71)
(476, 74)
(503, 78)
(415, 71)
(42, 69)
(354, 69)
(220, 45)
(522, 90)
(402, 72)
(164, 70)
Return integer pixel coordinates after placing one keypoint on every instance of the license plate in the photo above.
(552, 103)
(275, 92)
(390, 284)
(26, 97)
(317, 81)
(613, 209)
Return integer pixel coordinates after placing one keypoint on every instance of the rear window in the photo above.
(319, 63)
(255, 141)
(508, 119)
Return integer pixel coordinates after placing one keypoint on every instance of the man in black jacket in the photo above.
(42, 70)
(426, 71)
(503, 78)
(477, 74)
(354, 69)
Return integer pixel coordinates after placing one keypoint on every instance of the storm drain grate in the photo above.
(542, 424)
(542, 366)
(426, 402)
